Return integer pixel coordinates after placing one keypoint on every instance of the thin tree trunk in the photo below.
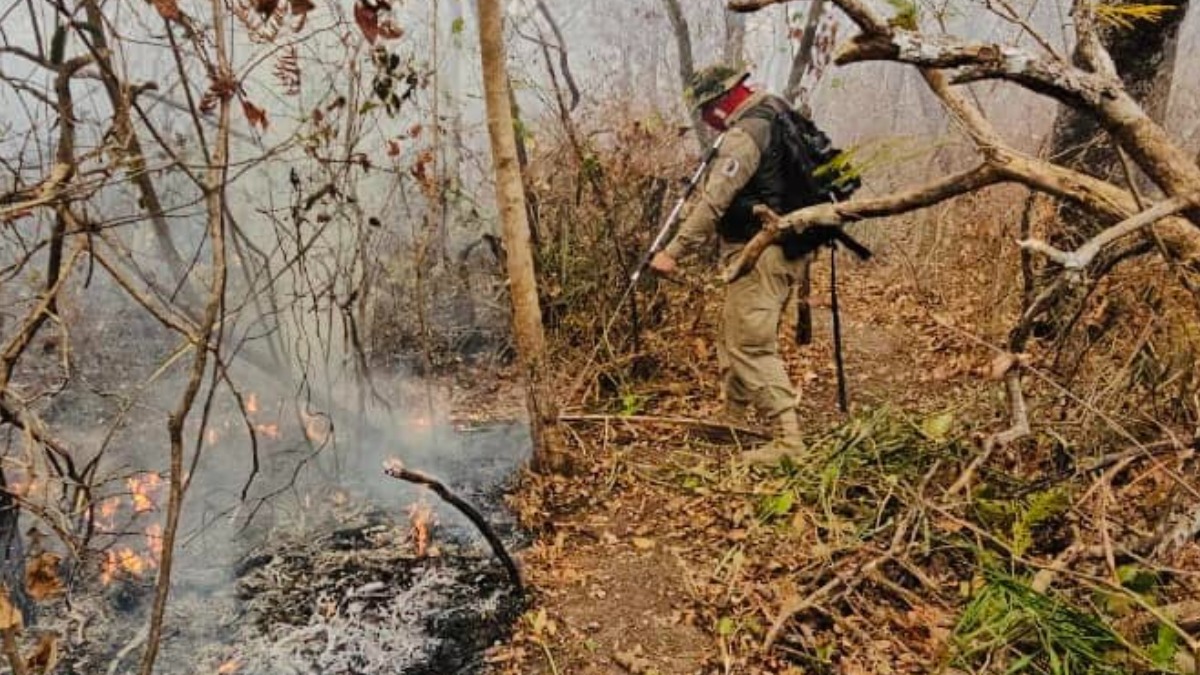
(687, 64)
(804, 55)
(735, 39)
(510, 198)
(127, 136)
(1144, 56)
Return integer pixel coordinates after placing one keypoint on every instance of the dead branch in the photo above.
(395, 468)
(859, 209)
(1080, 258)
(1019, 429)
(1048, 76)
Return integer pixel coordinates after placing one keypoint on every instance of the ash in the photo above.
(359, 600)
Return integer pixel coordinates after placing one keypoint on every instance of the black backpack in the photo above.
(820, 171)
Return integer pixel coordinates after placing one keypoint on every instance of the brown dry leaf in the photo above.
(256, 116)
(167, 9)
(634, 662)
(643, 543)
(10, 616)
(42, 579)
(367, 19)
(265, 8)
(390, 30)
(45, 656)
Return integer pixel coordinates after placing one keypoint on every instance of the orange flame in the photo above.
(269, 430)
(230, 667)
(252, 403)
(142, 491)
(123, 562)
(106, 514)
(420, 515)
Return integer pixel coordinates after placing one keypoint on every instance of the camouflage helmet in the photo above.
(709, 84)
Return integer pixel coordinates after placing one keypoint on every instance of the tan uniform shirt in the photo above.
(731, 169)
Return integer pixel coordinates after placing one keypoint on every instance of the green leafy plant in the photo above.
(1039, 633)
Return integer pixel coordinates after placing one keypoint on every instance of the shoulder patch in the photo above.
(730, 168)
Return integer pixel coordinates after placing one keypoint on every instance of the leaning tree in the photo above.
(1087, 83)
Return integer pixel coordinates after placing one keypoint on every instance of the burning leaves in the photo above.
(421, 519)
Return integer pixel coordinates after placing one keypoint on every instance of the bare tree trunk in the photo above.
(804, 55)
(510, 198)
(687, 64)
(735, 39)
(126, 135)
(564, 64)
(1144, 56)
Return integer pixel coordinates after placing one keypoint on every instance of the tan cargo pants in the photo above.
(752, 371)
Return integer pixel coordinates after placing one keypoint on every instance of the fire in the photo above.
(269, 430)
(420, 515)
(142, 491)
(230, 667)
(211, 436)
(106, 514)
(252, 403)
(124, 562)
(422, 422)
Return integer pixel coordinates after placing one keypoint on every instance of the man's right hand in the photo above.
(663, 263)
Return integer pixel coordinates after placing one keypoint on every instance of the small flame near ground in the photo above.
(230, 667)
(144, 496)
(421, 519)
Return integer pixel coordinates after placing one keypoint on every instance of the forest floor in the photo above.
(664, 555)
(659, 555)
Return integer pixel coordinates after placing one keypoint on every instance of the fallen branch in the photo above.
(395, 469)
(860, 209)
(715, 425)
(1080, 258)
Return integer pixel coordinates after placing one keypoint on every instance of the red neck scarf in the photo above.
(718, 113)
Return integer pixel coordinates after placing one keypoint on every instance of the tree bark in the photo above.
(510, 198)
(804, 55)
(735, 38)
(687, 65)
(1145, 60)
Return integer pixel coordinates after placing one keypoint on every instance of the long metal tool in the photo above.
(660, 239)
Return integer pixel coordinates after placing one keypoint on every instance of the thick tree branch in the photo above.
(982, 61)
(858, 209)
(1080, 258)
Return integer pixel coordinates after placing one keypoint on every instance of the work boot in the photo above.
(786, 441)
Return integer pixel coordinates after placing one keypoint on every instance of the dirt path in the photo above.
(658, 558)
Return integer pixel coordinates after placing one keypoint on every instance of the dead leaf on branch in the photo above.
(265, 8)
(374, 24)
(168, 9)
(256, 116)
